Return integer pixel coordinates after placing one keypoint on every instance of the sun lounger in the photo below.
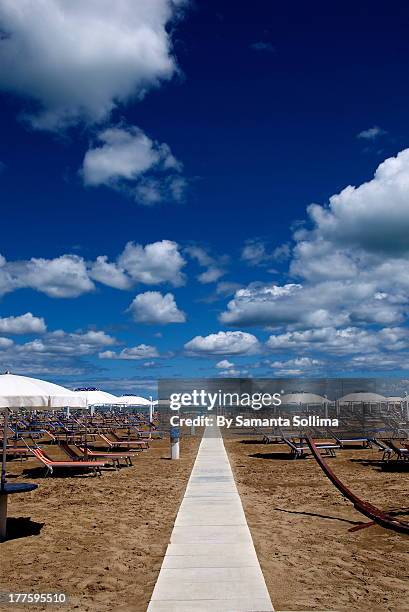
(110, 455)
(402, 454)
(386, 450)
(17, 451)
(52, 464)
(142, 443)
(131, 444)
(80, 453)
(366, 442)
(300, 450)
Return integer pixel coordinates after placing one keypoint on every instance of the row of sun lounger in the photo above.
(87, 446)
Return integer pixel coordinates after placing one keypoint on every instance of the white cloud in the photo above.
(58, 353)
(352, 291)
(215, 265)
(323, 304)
(256, 253)
(109, 274)
(224, 343)
(64, 276)
(70, 276)
(63, 343)
(22, 324)
(348, 340)
(153, 307)
(233, 373)
(295, 367)
(226, 288)
(126, 159)
(211, 275)
(224, 364)
(5, 343)
(374, 216)
(142, 351)
(79, 60)
(371, 133)
(155, 263)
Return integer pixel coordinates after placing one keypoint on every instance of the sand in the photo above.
(299, 523)
(100, 540)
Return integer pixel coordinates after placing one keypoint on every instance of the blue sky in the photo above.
(157, 181)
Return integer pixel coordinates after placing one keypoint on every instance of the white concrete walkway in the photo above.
(210, 563)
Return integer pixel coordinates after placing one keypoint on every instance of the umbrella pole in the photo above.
(3, 462)
(3, 494)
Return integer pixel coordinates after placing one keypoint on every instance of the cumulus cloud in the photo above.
(64, 276)
(295, 367)
(79, 60)
(126, 159)
(109, 274)
(350, 291)
(63, 343)
(142, 351)
(256, 253)
(23, 324)
(233, 373)
(153, 307)
(343, 341)
(5, 343)
(371, 133)
(70, 276)
(215, 266)
(374, 216)
(321, 304)
(224, 364)
(328, 339)
(58, 353)
(154, 263)
(224, 343)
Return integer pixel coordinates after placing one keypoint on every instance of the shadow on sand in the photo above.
(22, 527)
(384, 466)
(40, 472)
(323, 516)
(274, 456)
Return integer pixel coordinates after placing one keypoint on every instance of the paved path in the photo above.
(210, 563)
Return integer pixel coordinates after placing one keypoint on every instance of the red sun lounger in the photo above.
(51, 464)
(132, 444)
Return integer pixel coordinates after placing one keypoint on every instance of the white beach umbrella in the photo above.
(133, 400)
(24, 392)
(365, 397)
(95, 397)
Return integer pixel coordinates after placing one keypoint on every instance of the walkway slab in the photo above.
(210, 563)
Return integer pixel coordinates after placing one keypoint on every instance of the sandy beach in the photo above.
(299, 523)
(99, 540)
